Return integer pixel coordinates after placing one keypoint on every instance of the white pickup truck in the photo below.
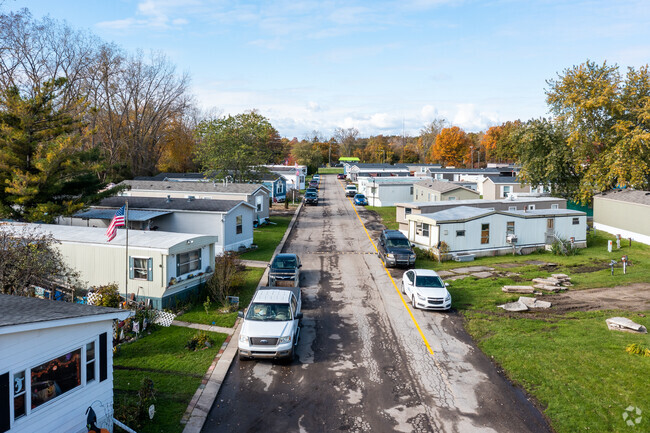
(271, 324)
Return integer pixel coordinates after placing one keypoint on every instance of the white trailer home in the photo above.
(255, 194)
(386, 191)
(56, 361)
(470, 230)
(163, 267)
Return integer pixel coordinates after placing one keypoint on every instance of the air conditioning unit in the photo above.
(511, 239)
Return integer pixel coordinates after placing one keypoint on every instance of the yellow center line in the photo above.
(399, 293)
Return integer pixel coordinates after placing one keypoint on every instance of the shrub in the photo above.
(637, 349)
(110, 295)
(563, 247)
(199, 341)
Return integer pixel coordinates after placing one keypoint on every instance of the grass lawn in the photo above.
(267, 238)
(330, 170)
(571, 363)
(387, 214)
(175, 371)
(197, 313)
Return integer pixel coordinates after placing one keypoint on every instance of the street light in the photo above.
(471, 155)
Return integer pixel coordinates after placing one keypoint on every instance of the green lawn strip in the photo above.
(387, 215)
(197, 314)
(267, 238)
(330, 170)
(576, 368)
(175, 371)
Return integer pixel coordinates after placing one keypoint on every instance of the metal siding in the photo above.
(632, 217)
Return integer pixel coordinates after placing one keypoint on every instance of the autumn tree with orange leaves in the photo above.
(450, 147)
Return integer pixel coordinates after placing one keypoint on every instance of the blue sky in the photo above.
(378, 66)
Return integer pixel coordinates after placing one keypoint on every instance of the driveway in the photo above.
(366, 362)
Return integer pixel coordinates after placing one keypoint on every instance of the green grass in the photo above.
(267, 238)
(576, 368)
(330, 170)
(388, 216)
(571, 363)
(197, 314)
(175, 371)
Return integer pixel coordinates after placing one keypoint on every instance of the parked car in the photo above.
(395, 249)
(426, 290)
(340, 176)
(311, 198)
(316, 177)
(313, 183)
(360, 200)
(284, 271)
(271, 325)
(314, 190)
(350, 190)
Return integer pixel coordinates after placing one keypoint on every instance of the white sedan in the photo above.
(426, 290)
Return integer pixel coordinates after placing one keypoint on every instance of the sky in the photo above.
(382, 67)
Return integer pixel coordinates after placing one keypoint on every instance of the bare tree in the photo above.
(226, 276)
(29, 257)
(346, 138)
(428, 136)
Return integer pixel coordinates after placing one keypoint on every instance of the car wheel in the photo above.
(415, 307)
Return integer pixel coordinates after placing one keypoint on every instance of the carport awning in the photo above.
(108, 214)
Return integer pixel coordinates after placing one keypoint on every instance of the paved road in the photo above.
(363, 365)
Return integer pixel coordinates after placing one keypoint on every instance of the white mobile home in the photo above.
(386, 191)
(294, 175)
(470, 230)
(56, 361)
(230, 221)
(624, 212)
(255, 194)
(164, 267)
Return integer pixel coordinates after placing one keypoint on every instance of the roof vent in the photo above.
(190, 198)
(169, 199)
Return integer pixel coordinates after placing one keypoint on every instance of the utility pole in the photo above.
(471, 155)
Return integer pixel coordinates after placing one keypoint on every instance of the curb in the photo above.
(204, 397)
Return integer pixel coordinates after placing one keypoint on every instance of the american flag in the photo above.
(117, 221)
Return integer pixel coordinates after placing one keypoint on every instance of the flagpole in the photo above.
(126, 226)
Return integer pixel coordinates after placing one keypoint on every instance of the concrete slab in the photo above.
(514, 307)
(626, 325)
(457, 277)
(444, 274)
(470, 269)
(510, 265)
(483, 274)
(518, 289)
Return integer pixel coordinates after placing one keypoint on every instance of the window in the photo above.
(140, 268)
(90, 362)
(188, 262)
(460, 233)
(55, 377)
(576, 221)
(507, 189)
(485, 233)
(422, 229)
(258, 203)
(411, 191)
(451, 198)
(19, 394)
(280, 188)
(240, 225)
(302, 179)
(550, 223)
(512, 207)
(510, 227)
(531, 207)
(407, 211)
(554, 206)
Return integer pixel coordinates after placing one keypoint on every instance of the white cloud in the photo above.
(470, 118)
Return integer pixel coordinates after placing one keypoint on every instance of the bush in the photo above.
(637, 349)
(563, 247)
(199, 341)
(110, 295)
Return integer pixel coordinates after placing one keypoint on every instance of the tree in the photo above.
(226, 276)
(428, 136)
(235, 145)
(346, 138)
(377, 150)
(178, 146)
(608, 125)
(29, 257)
(546, 159)
(304, 153)
(450, 147)
(44, 169)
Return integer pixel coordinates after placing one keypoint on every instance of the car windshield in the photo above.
(361, 196)
(428, 281)
(351, 188)
(284, 263)
(264, 312)
(398, 243)
(310, 195)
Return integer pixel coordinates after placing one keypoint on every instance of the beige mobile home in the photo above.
(625, 213)
(162, 266)
(436, 190)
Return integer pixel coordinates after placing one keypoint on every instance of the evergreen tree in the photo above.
(45, 171)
